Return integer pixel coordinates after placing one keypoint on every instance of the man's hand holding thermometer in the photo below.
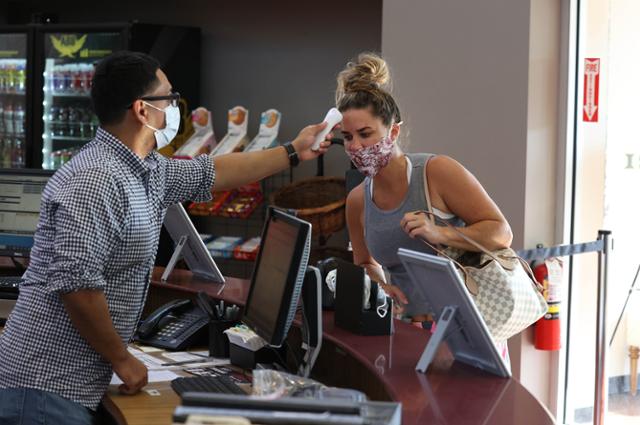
(333, 117)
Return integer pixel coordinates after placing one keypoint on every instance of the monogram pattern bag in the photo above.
(501, 284)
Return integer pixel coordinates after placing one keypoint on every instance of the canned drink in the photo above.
(55, 160)
(65, 156)
(88, 77)
(78, 79)
(67, 78)
(72, 119)
(58, 79)
(62, 125)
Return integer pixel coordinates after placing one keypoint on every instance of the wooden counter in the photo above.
(380, 366)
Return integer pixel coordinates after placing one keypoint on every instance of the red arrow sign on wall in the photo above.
(591, 89)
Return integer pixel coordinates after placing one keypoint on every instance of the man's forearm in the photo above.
(237, 169)
(89, 313)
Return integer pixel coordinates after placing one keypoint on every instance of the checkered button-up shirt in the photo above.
(100, 221)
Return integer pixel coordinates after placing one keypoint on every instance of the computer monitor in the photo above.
(278, 276)
(20, 194)
(459, 322)
(189, 245)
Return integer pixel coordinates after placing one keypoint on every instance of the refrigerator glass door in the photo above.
(13, 99)
(69, 121)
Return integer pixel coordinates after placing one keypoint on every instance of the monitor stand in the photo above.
(311, 296)
(442, 327)
(272, 357)
(177, 253)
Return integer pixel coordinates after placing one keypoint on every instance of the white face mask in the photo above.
(172, 118)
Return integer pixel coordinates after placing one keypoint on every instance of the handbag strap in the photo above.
(471, 285)
(435, 219)
(481, 248)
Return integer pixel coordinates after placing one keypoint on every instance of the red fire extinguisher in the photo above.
(547, 330)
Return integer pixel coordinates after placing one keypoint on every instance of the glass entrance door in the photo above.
(607, 178)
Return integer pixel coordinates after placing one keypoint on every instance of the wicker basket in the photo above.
(318, 200)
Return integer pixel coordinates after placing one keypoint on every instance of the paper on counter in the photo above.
(149, 361)
(148, 348)
(154, 376)
(183, 356)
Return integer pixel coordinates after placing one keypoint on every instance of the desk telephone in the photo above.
(174, 326)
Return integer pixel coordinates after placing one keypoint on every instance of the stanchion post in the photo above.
(601, 393)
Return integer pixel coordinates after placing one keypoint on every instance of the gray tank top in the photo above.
(384, 236)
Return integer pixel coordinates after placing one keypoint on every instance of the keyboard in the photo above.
(206, 384)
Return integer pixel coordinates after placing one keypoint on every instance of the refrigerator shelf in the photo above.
(74, 95)
(7, 93)
(70, 138)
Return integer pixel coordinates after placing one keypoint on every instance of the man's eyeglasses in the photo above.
(173, 99)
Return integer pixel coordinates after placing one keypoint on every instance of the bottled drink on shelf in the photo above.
(17, 153)
(85, 123)
(21, 78)
(55, 160)
(72, 122)
(88, 76)
(62, 125)
(94, 125)
(58, 79)
(61, 157)
(1, 120)
(52, 120)
(8, 119)
(18, 120)
(78, 79)
(3, 77)
(5, 152)
(10, 78)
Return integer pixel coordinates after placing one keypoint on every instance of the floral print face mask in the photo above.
(369, 160)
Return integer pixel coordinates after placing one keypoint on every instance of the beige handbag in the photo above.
(500, 282)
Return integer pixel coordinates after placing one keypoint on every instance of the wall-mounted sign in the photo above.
(591, 89)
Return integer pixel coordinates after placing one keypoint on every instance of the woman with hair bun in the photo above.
(383, 211)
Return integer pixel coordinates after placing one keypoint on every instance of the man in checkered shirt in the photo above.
(95, 246)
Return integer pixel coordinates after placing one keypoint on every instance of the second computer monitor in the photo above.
(20, 195)
(278, 276)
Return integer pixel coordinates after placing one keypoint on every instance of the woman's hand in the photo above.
(399, 298)
(418, 224)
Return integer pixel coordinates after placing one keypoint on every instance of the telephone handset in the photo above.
(174, 326)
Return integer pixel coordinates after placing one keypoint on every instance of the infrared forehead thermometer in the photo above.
(332, 118)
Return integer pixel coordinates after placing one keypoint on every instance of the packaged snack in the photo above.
(248, 250)
(242, 205)
(236, 137)
(206, 238)
(213, 206)
(202, 140)
(223, 246)
(219, 199)
(268, 132)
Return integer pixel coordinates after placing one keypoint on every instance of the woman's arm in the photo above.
(361, 255)
(452, 188)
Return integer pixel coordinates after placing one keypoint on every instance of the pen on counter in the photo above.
(186, 362)
(220, 310)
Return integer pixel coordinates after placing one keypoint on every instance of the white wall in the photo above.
(460, 72)
(479, 81)
(541, 170)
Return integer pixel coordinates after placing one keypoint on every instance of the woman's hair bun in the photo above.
(368, 72)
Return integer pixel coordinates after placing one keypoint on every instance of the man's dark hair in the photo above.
(119, 80)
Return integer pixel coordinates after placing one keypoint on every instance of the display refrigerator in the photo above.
(64, 61)
(16, 123)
